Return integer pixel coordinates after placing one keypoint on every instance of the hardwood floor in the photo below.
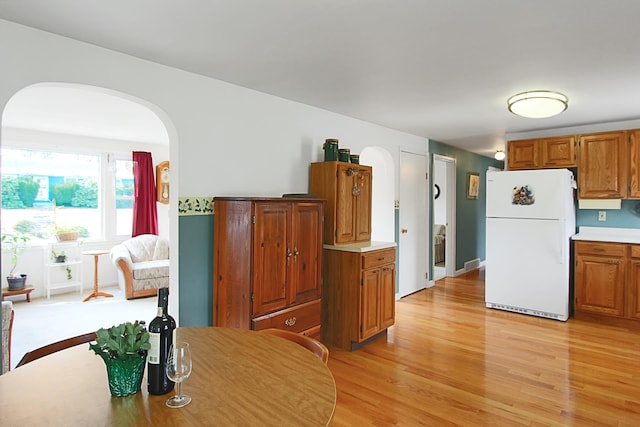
(448, 360)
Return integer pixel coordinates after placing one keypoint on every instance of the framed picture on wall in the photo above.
(473, 185)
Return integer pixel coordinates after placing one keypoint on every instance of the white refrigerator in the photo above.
(530, 220)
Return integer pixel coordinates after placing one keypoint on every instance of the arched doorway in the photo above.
(90, 122)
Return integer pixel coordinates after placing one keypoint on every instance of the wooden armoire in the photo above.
(267, 263)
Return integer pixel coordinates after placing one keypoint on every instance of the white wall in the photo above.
(224, 139)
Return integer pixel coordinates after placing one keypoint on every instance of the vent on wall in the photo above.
(472, 265)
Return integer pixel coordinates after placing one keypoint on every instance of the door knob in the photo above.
(404, 231)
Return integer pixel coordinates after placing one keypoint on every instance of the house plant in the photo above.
(67, 234)
(15, 244)
(124, 351)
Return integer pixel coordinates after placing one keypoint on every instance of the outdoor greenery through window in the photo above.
(46, 192)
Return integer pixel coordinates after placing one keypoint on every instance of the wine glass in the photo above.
(178, 369)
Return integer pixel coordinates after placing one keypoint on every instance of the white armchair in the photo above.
(143, 265)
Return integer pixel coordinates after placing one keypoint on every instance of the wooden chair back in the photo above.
(56, 346)
(313, 345)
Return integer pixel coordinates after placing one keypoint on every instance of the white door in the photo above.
(414, 237)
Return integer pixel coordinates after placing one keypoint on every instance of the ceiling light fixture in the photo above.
(499, 155)
(538, 104)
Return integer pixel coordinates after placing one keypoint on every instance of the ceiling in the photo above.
(440, 69)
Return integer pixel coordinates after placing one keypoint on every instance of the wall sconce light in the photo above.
(538, 104)
(499, 155)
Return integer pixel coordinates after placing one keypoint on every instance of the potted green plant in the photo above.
(58, 257)
(15, 244)
(124, 351)
(67, 234)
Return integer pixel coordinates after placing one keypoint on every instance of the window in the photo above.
(43, 191)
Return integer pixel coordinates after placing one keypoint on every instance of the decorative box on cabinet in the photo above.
(67, 274)
(346, 187)
(358, 302)
(544, 153)
(267, 263)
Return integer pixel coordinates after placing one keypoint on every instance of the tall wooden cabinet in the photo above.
(346, 187)
(359, 293)
(267, 263)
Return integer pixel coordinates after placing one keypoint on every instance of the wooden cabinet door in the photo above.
(599, 284)
(634, 164)
(306, 264)
(363, 197)
(602, 168)
(387, 296)
(369, 304)
(522, 154)
(558, 152)
(633, 292)
(345, 206)
(271, 256)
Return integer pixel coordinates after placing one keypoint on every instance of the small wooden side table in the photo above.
(23, 291)
(96, 293)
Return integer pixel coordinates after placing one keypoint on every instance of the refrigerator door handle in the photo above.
(562, 243)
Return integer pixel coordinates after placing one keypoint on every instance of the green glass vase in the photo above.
(125, 373)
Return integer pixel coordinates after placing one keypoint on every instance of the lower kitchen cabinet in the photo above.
(600, 278)
(358, 301)
(607, 282)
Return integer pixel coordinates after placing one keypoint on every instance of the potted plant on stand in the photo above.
(124, 350)
(15, 244)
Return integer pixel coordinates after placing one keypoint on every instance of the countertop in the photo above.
(361, 247)
(608, 234)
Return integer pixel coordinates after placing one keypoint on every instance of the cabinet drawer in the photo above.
(635, 251)
(377, 258)
(297, 319)
(599, 248)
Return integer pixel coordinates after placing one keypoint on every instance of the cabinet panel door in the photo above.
(602, 167)
(387, 296)
(600, 285)
(345, 206)
(558, 152)
(362, 181)
(522, 154)
(306, 268)
(634, 164)
(634, 289)
(369, 304)
(271, 256)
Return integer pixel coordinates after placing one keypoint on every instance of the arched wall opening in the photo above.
(81, 118)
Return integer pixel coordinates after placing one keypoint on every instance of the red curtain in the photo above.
(145, 215)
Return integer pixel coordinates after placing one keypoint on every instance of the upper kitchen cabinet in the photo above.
(346, 187)
(545, 153)
(602, 167)
(634, 164)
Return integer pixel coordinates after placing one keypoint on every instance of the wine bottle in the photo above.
(162, 330)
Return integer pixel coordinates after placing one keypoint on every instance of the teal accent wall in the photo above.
(196, 270)
(622, 218)
(470, 214)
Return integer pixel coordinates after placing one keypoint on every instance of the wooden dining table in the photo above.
(239, 378)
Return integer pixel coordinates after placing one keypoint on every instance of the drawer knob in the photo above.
(290, 321)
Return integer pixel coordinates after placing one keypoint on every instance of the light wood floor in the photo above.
(450, 361)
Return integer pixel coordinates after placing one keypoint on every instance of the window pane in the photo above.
(44, 191)
(124, 197)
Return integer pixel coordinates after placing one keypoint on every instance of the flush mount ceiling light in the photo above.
(499, 155)
(538, 104)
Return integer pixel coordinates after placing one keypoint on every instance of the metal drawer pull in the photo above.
(290, 321)
(382, 258)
